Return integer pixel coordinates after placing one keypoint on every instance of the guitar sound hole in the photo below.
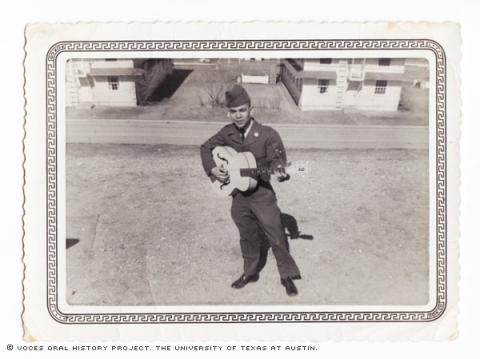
(222, 158)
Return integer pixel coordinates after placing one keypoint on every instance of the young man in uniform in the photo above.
(255, 212)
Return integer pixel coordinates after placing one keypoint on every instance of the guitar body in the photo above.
(232, 161)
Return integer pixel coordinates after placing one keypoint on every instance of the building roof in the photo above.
(387, 76)
(324, 75)
(417, 72)
(411, 73)
(128, 71)
(295, 68)
(294, 64)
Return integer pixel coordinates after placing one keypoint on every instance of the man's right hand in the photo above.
(220, 174)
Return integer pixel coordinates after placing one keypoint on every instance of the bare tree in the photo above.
(215, 83)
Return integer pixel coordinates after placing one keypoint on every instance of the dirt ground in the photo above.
(144, 228)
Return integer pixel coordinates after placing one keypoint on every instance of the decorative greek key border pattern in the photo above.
(251, 45)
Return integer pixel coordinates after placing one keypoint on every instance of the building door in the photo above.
(351, 94)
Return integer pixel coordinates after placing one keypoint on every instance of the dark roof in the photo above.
(294, 64)
(129, 71)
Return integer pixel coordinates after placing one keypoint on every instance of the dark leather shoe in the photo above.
(289, 286)
(244, 280)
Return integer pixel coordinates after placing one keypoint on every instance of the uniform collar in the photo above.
(253, 132)
(250, 124)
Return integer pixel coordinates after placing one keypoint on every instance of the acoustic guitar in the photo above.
(242, 170)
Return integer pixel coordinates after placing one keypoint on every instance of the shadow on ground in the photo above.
(170, 85)
(290, 224)
(71, 242)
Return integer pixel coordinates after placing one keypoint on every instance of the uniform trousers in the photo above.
(258, 219)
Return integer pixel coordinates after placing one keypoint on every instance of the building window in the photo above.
(113, 83)
(323, 85)
(384, 62)
(325, 61)
(380, 86)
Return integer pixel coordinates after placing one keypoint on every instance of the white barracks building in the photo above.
(108, 82)
(342, 84)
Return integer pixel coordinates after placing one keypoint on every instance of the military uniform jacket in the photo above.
(262, 141)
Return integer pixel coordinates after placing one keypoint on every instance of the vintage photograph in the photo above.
(221, 182)
(247, 181)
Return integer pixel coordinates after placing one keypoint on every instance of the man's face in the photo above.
(240, 115)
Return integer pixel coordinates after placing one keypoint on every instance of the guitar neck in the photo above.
(244, 172)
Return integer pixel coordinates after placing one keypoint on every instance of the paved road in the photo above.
(294, 135)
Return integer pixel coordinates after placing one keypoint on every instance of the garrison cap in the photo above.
(236, 96)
